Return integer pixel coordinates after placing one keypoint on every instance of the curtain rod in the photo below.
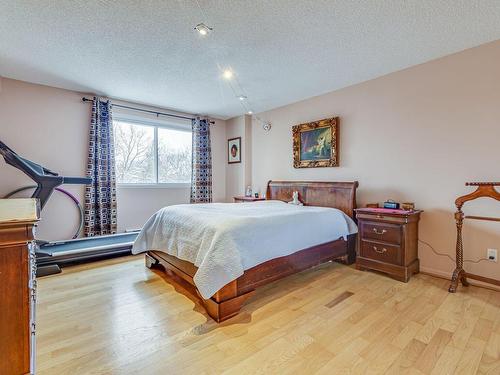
(84, 99)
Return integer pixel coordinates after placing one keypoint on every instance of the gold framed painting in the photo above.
(316, 144)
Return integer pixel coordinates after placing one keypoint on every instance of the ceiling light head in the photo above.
(242, 97)
(250, 113)
(203, 29)
(228, 74)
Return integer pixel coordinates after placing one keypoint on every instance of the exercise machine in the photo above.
(51, 256)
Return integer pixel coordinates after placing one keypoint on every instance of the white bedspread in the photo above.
(224, 239)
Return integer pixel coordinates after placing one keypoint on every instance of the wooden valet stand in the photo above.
(484, 189)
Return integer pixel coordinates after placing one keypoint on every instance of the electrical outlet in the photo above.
(493, 255)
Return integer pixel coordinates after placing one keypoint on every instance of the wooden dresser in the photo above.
(17, 285)
(388, 242)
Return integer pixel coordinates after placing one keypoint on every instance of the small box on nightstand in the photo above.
(388, 241)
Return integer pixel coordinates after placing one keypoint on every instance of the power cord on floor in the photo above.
(448, 256)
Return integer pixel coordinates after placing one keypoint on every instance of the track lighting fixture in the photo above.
(203, 29)
(227, 74)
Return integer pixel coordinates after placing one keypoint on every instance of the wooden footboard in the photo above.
(228, 301)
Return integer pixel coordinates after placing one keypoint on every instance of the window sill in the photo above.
(172, 185)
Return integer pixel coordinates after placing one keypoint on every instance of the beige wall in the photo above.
(50, 126)
(239, 175)
(415, 135)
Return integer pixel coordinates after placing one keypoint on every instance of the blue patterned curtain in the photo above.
(201, 178)
(100, 196)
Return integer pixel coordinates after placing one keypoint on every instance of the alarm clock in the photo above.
(391, 204)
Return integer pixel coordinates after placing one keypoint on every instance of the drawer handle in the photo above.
(381, 232)
(379, 251)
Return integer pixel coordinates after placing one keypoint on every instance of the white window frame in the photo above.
(155, 125)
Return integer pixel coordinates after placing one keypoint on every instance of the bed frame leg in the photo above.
(150, 261)
(220, 311)
(351, 249)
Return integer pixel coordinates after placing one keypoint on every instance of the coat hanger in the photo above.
(484, 189)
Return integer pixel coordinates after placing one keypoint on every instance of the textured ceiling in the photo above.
(282, 51)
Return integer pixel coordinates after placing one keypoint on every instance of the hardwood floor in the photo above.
(118, 317)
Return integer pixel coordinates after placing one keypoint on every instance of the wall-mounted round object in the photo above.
(266, 126)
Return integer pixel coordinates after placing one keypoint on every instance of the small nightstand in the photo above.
(388, 242)
(242, 199)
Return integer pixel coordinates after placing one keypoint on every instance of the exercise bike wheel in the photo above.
(60, 190)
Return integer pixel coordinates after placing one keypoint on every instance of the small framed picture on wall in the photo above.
(234, 150)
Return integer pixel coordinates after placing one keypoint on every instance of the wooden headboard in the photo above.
(340, 195)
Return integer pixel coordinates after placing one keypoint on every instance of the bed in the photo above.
(227, 250)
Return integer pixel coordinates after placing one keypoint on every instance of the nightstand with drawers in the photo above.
(388, 241)
(243, 199)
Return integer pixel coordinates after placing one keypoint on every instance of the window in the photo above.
(152, 154)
